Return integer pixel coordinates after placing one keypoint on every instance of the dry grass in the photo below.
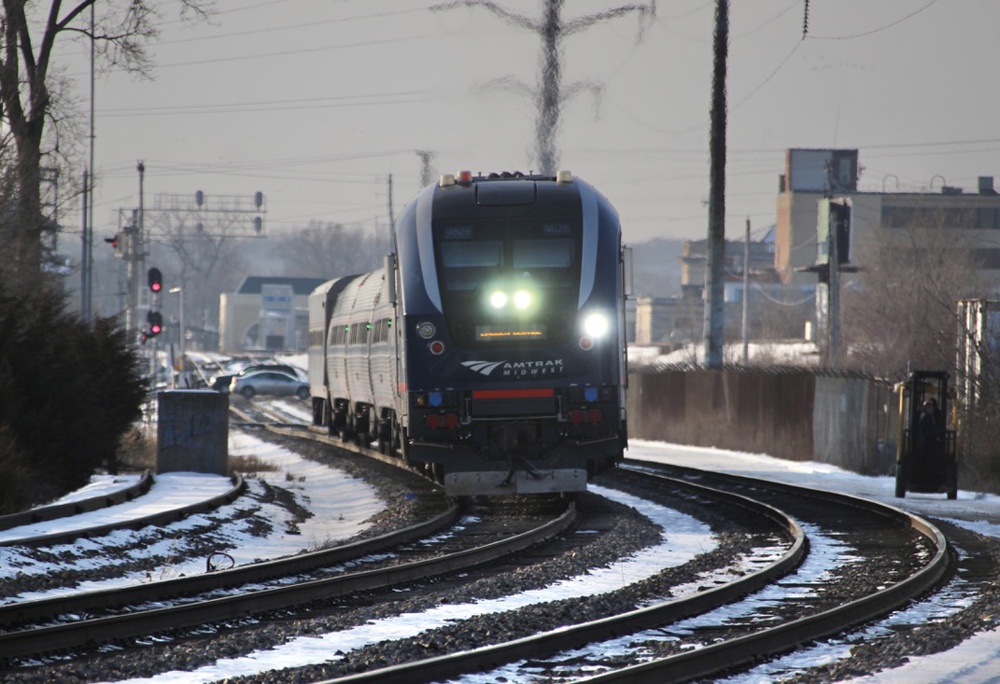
(249, 465)
(137, 450)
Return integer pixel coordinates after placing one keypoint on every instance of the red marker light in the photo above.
(155, 279)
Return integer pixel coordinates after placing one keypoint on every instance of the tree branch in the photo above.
(511, 17)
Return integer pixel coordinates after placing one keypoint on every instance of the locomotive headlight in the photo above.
(522, 299)
(426, 330)
(498, 299)
(596, 325)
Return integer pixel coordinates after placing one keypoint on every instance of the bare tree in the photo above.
(29, 32)
(329, 250)
(900, 309)
(549, 94)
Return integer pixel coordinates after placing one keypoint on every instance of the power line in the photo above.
(270, 30)
(876, 30)
(370, 100)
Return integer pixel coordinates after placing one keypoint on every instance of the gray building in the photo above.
(266, 314)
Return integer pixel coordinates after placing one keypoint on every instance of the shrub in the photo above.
(69, 391)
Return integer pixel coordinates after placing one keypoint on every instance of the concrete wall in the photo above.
(797, 415)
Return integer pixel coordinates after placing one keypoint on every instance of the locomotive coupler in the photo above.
(512, 439)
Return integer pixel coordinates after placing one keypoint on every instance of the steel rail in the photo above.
(318, 434)
(161, 518)
(64, 510)
(14, 614)
(60, 638)
(575, 636)
(771, 641)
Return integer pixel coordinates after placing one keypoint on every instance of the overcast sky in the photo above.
(317, 102)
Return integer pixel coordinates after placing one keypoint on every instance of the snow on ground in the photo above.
(170, 491)
(340, 503)
(971, 507)
(685, 538)
(797, 353)
(100, 485)
(975, 661)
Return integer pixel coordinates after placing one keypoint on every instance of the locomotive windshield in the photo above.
(508, 280)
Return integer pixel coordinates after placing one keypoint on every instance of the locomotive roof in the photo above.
(508, 192)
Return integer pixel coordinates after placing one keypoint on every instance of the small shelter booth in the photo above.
(926, 458)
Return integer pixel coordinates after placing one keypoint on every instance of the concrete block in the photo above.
(192, 433)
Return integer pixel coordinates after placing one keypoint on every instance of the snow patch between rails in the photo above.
(685, 538)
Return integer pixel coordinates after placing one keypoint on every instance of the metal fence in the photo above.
(843, 419)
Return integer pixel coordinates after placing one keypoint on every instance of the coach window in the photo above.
(467, 263)
(544, 260)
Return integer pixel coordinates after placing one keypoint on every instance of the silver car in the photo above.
(269, 382)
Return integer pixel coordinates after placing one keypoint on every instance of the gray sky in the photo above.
(316, 102)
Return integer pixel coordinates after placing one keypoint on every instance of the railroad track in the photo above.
(133, 621)
(727, 646)
(910, 554)
(162, 517)
(905, 543)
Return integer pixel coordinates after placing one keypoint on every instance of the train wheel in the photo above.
(330, 427)
(385, 435)
(900, 480)
(404, 444)
(347, 432)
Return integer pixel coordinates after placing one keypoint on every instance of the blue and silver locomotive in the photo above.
(490, 349)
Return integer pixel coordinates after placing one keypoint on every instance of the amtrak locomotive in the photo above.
(489, 351)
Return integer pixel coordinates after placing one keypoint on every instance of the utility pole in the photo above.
(86, 300)
(834, 295)
(135, 257)
(140, 225)
(392, 216)
(426, 156)
(87, 235)
(549, 94)
(833, 278)
(714, 332)
(746, 297)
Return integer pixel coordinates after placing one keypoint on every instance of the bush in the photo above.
(15, 484)
(69, 391)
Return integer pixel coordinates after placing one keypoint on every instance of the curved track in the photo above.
(741, 647)
(909, 554)
(161, 518)
(65, 510)
(57, 638)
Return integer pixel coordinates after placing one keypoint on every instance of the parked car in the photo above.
(280, 367)
(269, 382)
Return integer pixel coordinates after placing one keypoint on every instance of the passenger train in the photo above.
(489, 351)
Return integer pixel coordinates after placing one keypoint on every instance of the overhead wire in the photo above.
(871, 32)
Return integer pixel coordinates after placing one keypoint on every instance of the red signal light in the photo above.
(155, 279)
(155, 321)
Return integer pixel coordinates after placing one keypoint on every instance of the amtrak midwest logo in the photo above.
(516, 369)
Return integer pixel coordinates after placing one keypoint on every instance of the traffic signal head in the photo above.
(155, 321)
(155, 280)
